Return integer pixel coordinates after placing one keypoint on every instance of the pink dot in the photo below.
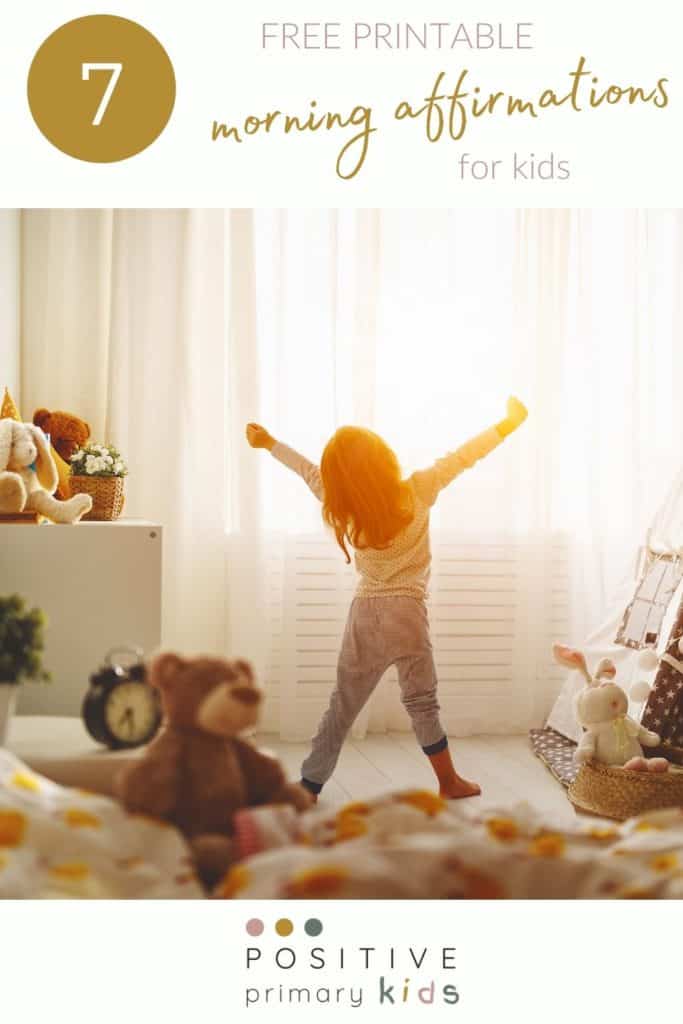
(254, 926)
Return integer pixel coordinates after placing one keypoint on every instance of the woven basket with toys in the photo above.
(615, 780)
(614, 792)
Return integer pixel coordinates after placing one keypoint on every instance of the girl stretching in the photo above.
(385, 519)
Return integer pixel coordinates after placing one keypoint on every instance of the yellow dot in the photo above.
(430, 803)
(603, 832)
(284, 926)
(503, 829)
(77, 818)
(548, 844)
(358, 807)
(350, 826)
(25, 781)
(321, 881)
(74, 871)
(664, 862)
(12, 828)
(237, 878)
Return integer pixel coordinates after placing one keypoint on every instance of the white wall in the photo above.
(9, 301)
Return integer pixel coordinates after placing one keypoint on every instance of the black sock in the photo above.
(312, 787)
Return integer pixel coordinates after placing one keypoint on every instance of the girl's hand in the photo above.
(516, 414)
(258, 436)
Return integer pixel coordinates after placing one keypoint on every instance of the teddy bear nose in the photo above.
(246, 694)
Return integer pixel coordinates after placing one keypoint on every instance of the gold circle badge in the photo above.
(101, 88)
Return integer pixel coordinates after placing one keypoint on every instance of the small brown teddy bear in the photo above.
(67, 433)
(197, 772)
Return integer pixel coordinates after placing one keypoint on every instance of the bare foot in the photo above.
(459, 788)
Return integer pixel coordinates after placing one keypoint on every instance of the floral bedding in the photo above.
(413, 845)
(58, 843)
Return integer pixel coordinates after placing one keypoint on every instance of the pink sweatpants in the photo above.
(380, 632)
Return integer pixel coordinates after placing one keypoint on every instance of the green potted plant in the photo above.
(21, 653)
(99, 470)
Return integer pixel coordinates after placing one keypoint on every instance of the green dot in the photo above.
(313, 926)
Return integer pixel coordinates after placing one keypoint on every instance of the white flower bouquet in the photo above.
(98, 470)
(98, 460)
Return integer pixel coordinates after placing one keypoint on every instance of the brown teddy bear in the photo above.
(67, 433)
(198, 772)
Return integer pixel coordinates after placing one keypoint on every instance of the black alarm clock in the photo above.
(120, 708)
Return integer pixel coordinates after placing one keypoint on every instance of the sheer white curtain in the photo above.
(123, 323)
(9, 299)
(168, 330)
(418, 324)
(601, 333)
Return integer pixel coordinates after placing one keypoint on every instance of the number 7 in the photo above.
(116, 70)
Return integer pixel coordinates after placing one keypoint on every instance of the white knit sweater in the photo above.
(402, 568)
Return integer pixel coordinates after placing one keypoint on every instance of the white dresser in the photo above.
(99, 585)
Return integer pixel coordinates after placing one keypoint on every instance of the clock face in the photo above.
(131, 713)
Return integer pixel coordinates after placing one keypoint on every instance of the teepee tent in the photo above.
(649, 615)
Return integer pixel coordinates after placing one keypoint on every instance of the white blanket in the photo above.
(58, 843)
(413, 845)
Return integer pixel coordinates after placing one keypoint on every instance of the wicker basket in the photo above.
(106, 493)
(613, 792)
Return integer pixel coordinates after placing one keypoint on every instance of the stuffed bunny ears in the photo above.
(6, 433)
(570, 658)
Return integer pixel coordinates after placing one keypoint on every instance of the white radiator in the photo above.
(495, 608)
(100, 587)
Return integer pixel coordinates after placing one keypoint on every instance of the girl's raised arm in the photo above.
(258, 437)
(429, 482)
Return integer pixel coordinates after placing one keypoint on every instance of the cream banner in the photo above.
(343, 104)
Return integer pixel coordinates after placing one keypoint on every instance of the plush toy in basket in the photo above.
(610, 735)
(615, 779)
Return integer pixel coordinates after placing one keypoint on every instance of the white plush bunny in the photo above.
(610, 736)
(28, 475)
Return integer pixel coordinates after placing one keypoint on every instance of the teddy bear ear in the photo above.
(164, 668)
(244, 668)
(41, 417)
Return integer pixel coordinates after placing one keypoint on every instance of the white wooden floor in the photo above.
(504, 767)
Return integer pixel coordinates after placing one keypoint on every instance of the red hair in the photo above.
(366, 502)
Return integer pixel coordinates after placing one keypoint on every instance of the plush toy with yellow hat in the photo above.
(28, 475)
(8, 409)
